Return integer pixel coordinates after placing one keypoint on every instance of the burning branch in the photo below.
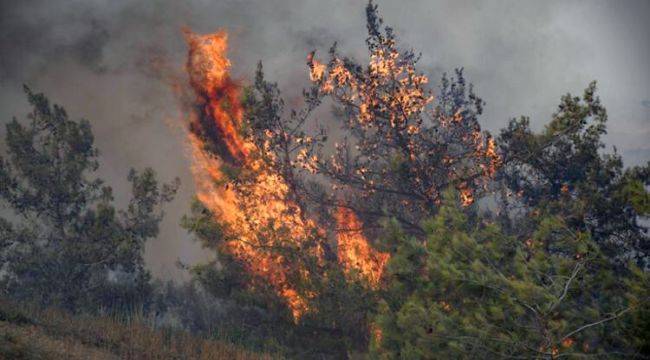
(243, 181)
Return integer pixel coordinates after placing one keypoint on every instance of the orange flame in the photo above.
(317, 69)
(256, 210)
(209, 68)
(377, 333)
(354, 251)
(466, 195)
(392, 89)
(258, 206)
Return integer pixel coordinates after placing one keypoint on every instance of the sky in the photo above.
(95, 58)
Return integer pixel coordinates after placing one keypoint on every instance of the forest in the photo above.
(405, 231)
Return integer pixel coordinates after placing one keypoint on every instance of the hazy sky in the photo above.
(93, 57)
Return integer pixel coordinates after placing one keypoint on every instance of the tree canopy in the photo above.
(374, 237)
(64, 243)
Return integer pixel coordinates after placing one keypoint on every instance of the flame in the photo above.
(377, 333)
(354, 251)
(254, 205)
(385, 66)
(568, 342)
(466, 195)
(488, 152)
(391, 99)
(208, 69)
(256, 210)
(317, 69)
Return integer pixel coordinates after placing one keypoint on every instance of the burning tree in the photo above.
(405, 145)
(290, 212)
(284, 241)
(237, 182)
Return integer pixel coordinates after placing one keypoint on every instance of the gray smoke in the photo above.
(94, 57)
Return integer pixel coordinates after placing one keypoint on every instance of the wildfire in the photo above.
(354, 251)
(466, 195)
(237, 180)
(257, 209)
(388, 103)
(208, 69)
(377, 334)
(317, 69)
(488, 151)
(254, 204)
(385, 66)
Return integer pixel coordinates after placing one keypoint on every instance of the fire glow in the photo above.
(257, 211)
(354, 252)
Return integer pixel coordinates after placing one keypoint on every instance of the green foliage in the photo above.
(64, 243)
(562, 171)
(482, 293)
(635, 194)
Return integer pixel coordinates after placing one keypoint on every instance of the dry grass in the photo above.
(28, 333)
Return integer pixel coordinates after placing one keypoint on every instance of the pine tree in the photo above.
(471, 291)
(63, 242)
(563, 170)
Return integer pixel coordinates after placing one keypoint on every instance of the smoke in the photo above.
(97, 57)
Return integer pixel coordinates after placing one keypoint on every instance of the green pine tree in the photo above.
(63, 242)
(471, 291)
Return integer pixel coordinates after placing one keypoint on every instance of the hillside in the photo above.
(27, 333)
